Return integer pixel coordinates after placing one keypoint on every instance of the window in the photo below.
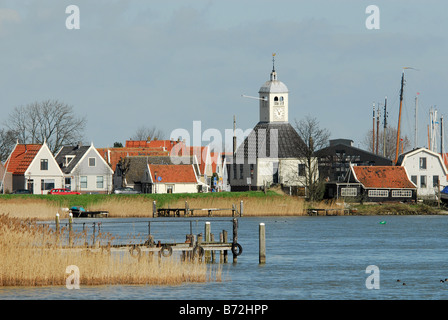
(422, 163)
(46, 184)
(435, 181)
(301, 169)
(251, 171)
(44, 164)
(92, 162)
(348, 192)
(378, 193)
(414, 179)
(68, 183)
(99, 182)
(68, 159)
(422, 181)
(83, 181)
(401, 193)
(169, 188)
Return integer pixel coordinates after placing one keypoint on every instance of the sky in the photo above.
(169, 63)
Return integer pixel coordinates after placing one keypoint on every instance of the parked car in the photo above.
(22, 191)
(62, 191)
(126, 190)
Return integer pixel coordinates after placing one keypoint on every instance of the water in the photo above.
(307, 258)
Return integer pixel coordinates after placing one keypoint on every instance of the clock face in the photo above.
(279, 113)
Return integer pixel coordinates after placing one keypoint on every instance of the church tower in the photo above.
(273, 99)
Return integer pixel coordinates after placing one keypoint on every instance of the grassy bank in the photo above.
(44, 207)
(31, 256)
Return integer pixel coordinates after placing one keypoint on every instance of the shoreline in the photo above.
(256, 203)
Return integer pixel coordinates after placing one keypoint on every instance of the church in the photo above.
(273, 153)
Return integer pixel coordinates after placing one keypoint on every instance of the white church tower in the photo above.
(273, 99)
(273, 153)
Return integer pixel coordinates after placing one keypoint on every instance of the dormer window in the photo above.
(68, 159)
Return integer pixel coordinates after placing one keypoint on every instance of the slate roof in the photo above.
(365, 157)
(21, 157)
(386, 177)
(77, 151)
(258, 143)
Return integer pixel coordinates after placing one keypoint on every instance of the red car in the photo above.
(62, 191)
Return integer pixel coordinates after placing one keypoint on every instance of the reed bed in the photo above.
(31, 255)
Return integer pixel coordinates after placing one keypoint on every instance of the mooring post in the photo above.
(221, 252)
(224, 239)
(212, 239)
(186, 208)
(207, 239)
(93, 241)
(241, 208)
(235, 238)
(154, 209)
(57, 222)
(233, 209)
(262, 239)
(70, 228)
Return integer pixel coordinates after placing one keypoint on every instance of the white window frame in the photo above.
(81, 182)
(349, 192)
(94, 162)
(378, 193)
(99, 182)
(401, 193)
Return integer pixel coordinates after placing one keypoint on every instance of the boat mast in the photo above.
(416, 122)
(385, 127)
(399, 118)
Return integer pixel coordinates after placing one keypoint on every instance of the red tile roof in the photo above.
(21, 157)
(170, 173)
(164, 145)
(113, 155)
(390, 177)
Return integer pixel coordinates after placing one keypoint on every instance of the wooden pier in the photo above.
(195, 246)
(187, 211)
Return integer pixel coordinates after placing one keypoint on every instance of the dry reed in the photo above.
(31, 255)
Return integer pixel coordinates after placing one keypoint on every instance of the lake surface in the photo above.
(317, 258)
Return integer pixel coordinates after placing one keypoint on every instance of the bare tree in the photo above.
(148, 133)
(315, 138)
(7, 141)
(390, 145)
(50, 120)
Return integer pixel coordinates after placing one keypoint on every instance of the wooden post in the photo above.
(233, 210)
(241, 208)
(439, 193)
(93, 241)
(154, 209)
(262, 240)
(70, 228)
(221, 252)
(224, 239)
(57, 222)
(186, 208)
(207, 239)
(235, 237)
(212, 239)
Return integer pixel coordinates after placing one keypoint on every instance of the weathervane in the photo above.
(273, 62)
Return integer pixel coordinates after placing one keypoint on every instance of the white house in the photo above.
(171, 178)
(32, 167)
(425, 169)
(84, 169)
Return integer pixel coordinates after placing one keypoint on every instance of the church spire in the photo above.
(273, 73)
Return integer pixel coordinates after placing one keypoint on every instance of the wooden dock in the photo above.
(194, 247)
(187, 211)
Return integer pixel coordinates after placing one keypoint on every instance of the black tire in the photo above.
(166, 250)
(198, 251)
(237, 249)
(135, 251)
